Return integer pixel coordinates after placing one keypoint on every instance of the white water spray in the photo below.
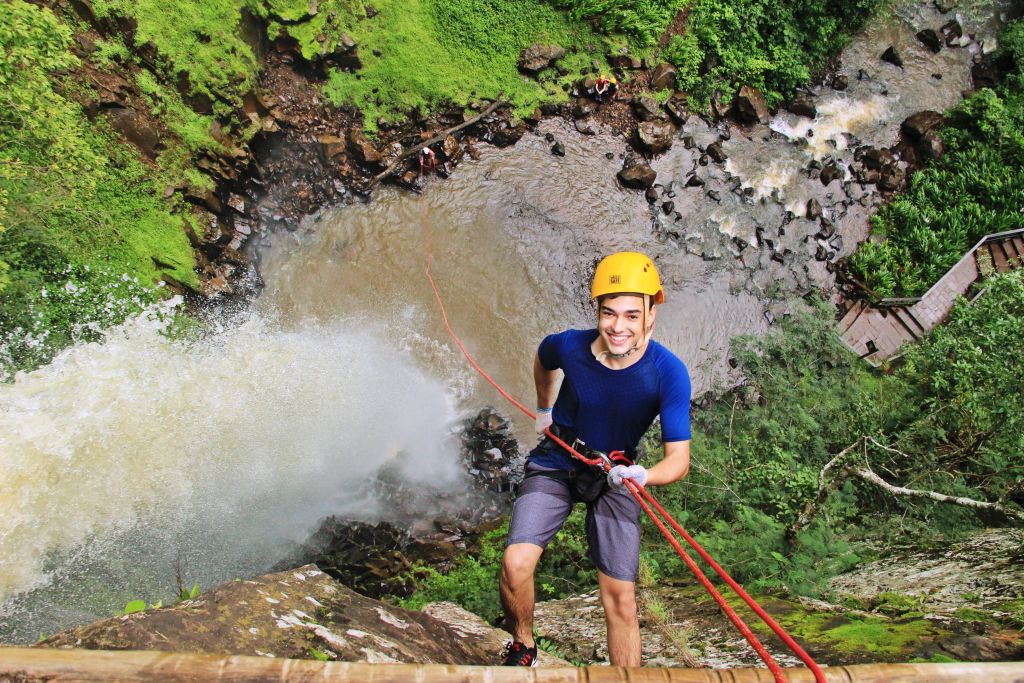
(241, 441)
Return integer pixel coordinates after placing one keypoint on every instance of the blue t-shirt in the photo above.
(609, 409)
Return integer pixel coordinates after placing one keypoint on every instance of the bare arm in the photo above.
(673, 467)
(546, 382)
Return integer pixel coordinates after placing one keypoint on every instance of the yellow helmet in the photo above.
(627, 272)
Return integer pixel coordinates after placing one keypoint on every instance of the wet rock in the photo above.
(831, 171)
(929, 147)
(451, 150)
(695, 181)
(714, 196)
(836, 243)
(892, 56)
(689, 142)
(333, 146)
(506, 133)
(930, 39)
(802, 105)
(583, 127)
(582, 108)
(915, 126)
(205, 198)
(636, 173)
(647, 108)
(984, 74)
(363, 150)
(875, 159)
(558, 149)
(828, 229)
(676, 108)
(952, 32)
(655, 136)
(749, 106)
(840, 82)
(663, 76)
(538, 57)
(135, 128)
(704, 160)
(715, 151)
(813, 209)
(624, 61)
(668, 207)
(651, 195)
(891, 179)
(285, 614)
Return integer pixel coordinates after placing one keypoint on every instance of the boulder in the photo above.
(749, 106)
(558, 149)
(891, 178)
(915, 126)
(892, 56)
(663, 76)
(636, 173)
(930, 39)
(831, 171)
(875, 159)
(813, 209)
(929, 147)
(536, 58)
(952, 32)
(134, 127)
(646, 108)
(583, 127)
(363, 150)
(841, 82)
(451, 150)
(298, 613)
(655, 136)
(803, 105)
(715, 151)
(624, 61)
(332, 145)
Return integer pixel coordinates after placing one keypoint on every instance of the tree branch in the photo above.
(872, 478)
(437, 138)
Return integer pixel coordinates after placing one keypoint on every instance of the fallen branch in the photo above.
(867, 475)
(437, 138)
(839, 469)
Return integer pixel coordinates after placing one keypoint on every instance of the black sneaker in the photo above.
(517, 654)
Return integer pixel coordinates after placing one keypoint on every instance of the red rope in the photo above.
(640, 494)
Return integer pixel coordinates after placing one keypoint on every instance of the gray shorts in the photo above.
(613, 523)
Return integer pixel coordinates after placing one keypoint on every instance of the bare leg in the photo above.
(517, 590)
(619, 600)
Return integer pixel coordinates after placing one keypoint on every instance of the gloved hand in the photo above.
(543, 420)
(638, 473)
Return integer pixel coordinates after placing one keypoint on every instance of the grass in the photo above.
(433, 52)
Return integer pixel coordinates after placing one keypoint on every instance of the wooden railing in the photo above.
(879, 330)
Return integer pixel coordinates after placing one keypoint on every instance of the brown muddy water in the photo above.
(129, 463)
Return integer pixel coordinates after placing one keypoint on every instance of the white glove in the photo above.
(543, 419)
(638, 473)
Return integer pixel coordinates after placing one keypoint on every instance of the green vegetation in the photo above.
(974, 189)
(642, 22)
(432, 52)
(85, 236)
(772, 45)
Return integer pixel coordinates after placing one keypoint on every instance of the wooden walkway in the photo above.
(876, 331)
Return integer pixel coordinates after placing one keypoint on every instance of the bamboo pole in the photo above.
(32, 665)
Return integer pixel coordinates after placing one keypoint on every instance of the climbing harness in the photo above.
(649, 505)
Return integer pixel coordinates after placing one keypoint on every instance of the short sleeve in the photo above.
(550, 351)
(675, 402)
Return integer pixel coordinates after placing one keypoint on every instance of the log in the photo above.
(32, 665)
(437, 138)
(869, 476)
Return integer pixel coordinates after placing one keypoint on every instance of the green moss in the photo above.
(438, 51)
(199, 39)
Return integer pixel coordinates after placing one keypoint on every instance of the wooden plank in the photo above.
(35, 665)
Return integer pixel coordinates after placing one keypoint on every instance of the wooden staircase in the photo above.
(876, 331)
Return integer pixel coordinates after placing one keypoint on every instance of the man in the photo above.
(616, 381)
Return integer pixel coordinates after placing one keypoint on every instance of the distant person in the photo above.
(428, 161)
(605, 87)
(615, 382)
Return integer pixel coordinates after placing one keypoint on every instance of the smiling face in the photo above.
(621, 322)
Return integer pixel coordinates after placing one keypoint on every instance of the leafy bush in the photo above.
(769, 44)
(643, 22)
(975, 189)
